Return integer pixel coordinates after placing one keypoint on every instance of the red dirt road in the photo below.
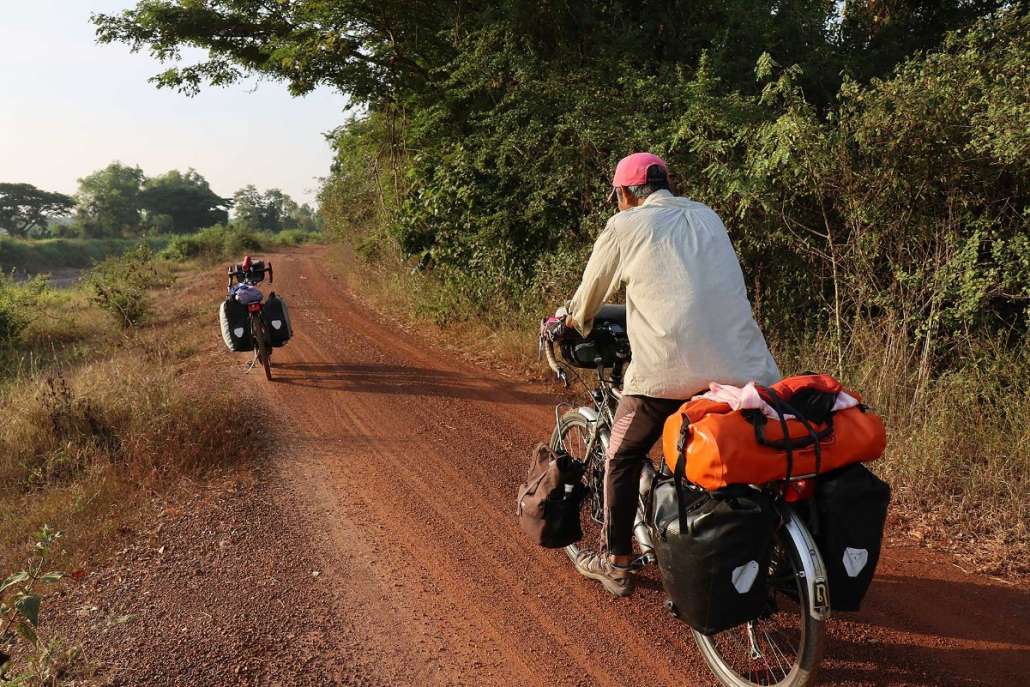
(401, 464)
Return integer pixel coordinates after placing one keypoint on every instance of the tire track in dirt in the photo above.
(408, 459)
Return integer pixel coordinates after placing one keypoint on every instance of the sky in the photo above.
(69, 107)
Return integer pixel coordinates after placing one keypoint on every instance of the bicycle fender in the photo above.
(813, 568)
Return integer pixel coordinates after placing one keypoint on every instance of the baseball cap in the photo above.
(632, 169)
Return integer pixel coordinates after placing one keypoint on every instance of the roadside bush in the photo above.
(18, 307)
(119, 285)
(223, 242)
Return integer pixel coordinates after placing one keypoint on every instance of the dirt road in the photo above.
(401, 463)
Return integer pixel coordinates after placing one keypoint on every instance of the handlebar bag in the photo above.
(851, 510)
(235, 325)
(277, 316)
(547, 504)
(725, 446)
(713, 549)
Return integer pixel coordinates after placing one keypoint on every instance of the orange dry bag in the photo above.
(715, 446)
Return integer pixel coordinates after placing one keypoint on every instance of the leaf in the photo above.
(52, 577)
(27, 631)
(14, 579)
(28, 607)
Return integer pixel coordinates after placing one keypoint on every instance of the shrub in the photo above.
(119, 285)
(32, 661)
(18, 307)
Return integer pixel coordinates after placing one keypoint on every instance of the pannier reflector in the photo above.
(744, 576)
(238, 332)
(855, 560)
(277, 324)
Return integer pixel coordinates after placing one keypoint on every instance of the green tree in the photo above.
(186, 200)
(272, 210)
(23, 207)
(108, 201)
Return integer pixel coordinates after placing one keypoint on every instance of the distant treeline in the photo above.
(120, 201)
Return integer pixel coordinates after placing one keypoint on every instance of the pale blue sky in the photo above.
(69, 106)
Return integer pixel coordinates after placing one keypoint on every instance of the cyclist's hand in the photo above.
(552, 328)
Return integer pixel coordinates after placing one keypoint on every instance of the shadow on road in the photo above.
(401, 379)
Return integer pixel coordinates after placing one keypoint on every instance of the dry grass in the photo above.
(412, 299)
(959, 445)
(96, 420)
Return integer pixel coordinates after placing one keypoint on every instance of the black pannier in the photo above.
(851, 509)
(235, 322)
(713, 552)
(278, 318)
(608, 340)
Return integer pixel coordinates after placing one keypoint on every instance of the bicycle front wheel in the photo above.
(783, 648)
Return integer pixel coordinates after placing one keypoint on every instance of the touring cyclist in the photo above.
(689, 323)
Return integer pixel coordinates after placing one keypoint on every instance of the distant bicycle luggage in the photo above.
(235, 325)
(278, 318)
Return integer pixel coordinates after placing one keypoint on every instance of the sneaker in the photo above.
(616, 579)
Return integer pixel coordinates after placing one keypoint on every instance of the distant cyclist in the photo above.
(689, 323)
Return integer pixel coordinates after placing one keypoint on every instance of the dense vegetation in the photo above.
(869, 158)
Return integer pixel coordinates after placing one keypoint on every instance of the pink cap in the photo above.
(632, 169)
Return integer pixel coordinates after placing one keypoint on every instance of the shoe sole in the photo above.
(606, 582)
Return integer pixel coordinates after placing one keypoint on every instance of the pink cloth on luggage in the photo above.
(747, 398)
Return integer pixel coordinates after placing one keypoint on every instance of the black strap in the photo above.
(681, 468)
(813, 438)
(758, 423)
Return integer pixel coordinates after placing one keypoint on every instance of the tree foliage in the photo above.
(23, 207)
(108, 201)
(869, 156)
(272, 210)
(185, 200)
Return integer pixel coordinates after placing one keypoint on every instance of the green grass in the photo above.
(227, 242)
(34, 256)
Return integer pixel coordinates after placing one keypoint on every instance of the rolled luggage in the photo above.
(725, 446)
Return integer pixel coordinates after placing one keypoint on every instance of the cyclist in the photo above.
(689, 323)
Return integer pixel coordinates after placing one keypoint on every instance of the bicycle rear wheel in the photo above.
(781, 649)
(263, 341)
(573, 433)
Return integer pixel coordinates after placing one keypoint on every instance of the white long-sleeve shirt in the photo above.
(687, 313)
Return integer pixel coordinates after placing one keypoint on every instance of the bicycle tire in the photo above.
(263, 344)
